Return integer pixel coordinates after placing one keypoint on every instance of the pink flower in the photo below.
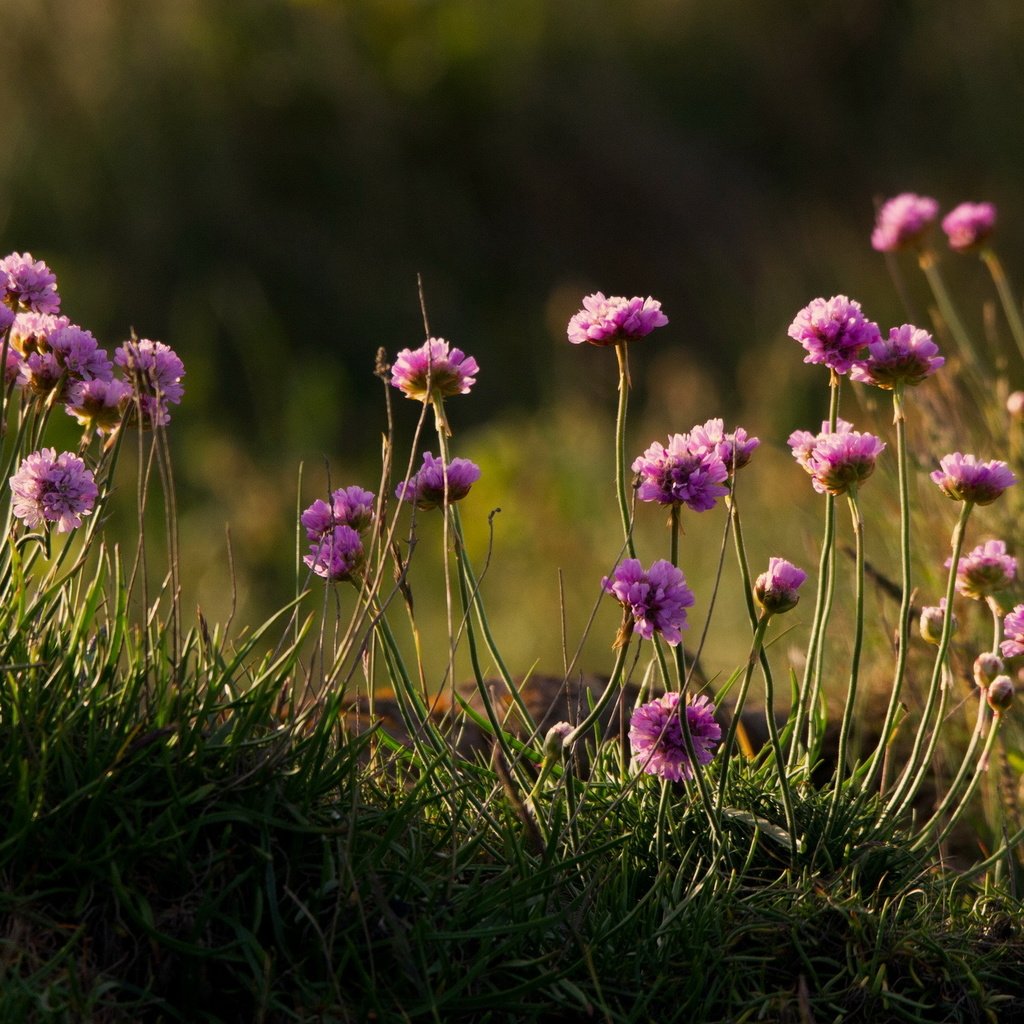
(607, 321)
(776, 589)
(833, 331)
(836, 460)
(681, 474)
(28, 284)
(902, 221)
(426, 488)
(52, 488)
(657, 599)
(656, 736)
(986, 570)
(435, 369)
(907, 357)
(964, 478)
(969, 225)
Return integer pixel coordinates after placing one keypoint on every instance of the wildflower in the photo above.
(968, 225)
(337, 555)
(554, 740)
(1013, 631)
(61, 357)
(1000, 694)
(154, 371)
(350, 506)
(834, 332)
(425, 488)
(836, 460)
(681, 474)
(964, 478)
(52, 488)
(28, 284)
(434, 370)
(776, 589)
(902, 221)
(734, 449)
(932, 619)
(31, 332)
(98, 404)
(907, 357)
(656, 736)
(657, 599)
(607, 321)
(986, 570)
(986, 667)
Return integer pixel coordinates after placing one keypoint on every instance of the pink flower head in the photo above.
(425, 489)
(52, 488)
(433, 370)
(98, 403)
(656, 736)
(349, 506)
(79, 354)
(607, 321)
(28, 284)
(834, 332)
(1013, 631)
(337, 555)
(836, 460)
(964, 478)
(907, 357)
(154, 371)
(61, 356)
(31, 332)
(969, 225)
(656, 599)
(776, 589)
(902, 221)
(733, 449)
(681, 474)
(986, 570)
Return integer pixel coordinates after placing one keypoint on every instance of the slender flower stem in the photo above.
(997, 623)
(1009, 303)
(930, 266)
(614, 685)
(620, 447)
(679, 651)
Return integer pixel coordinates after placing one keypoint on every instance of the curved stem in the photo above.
(620, 447)
(1009, 303)
(930, 266)
(603, 701)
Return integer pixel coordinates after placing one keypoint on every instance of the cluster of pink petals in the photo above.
(986, 570)
(834, 332)
(337, 555)
(656, 739)
(656, 599)
(968, 225)
(734, 449)
(902, 221)
(907, 356)
(98, 404)
(154, 371)
(777, 590)
(27, 284)
(683, 473)
(1013, 632)
(964, 478)
(426, 488)
(434, 370)
(52, 488)
(836, 460)
(349, 506)
(610, 320)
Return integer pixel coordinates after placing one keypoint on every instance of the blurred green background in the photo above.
(259, 182)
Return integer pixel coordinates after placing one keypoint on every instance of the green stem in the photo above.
(1009, 303)
(620, 447)
(930, 266)
(679, 651)
(603, 701)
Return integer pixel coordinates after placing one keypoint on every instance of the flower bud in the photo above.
(776, 589)
(986, 667)
(932, 619)
(1000, 693)
(554, 740)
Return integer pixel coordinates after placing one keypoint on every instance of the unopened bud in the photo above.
(932, 619)
(1000, 693)
(986, 667)
(554, 740)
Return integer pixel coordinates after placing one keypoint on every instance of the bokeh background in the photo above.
(259, 183)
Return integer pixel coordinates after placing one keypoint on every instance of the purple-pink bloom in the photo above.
(62, 356)
(435, 369)
(964, 478)
(154, 371)
(777, 589)
(836, 460)
(52, 488)
(656, 599)
(1013, 631)
(610, 320)
(28, 284)
(426, 489)
(681, 474)
(31, 332)
(908, 356)
(833, 331)
(337, 555)
(97, 403)
(969, 225)
(733, 449)
(349, 506)
(656, 736)
(902, 221)
(986, 570)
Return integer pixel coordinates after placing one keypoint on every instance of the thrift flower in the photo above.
(681, 474)
(154, 371)
(964, 478)
(425, 489)
(834, 332)
(98, 404)
(31, 332)
(907, 357)
(932, 619)
(656, 736)
(52, 488)
(986, 667)
(337, 555)
(734, 449)
(902, 221)
(776, 589)
(836, 460)
(1000, 694)
(1013, 631)
(969, 225)
(434, 370)
(28, 284)
(607, 321)
(349, 506)
(657, 599)
(986, 570)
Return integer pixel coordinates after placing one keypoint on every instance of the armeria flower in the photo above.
(986, 570)
(154, 371)
(776, 589)
(98, 404)
(836, 460)
(969, 225)
(681, 474)
(734, 449)
(834, 332)
(63, 356)
(964, 478)
(1000, 694)
(656, 599)
(337, 555)
(434, 370)
(1013, 632)
(656, 736)
(986, 667)
(907, 357)
(31, 332)
(349, 506)
(932, 619)
(52, 488)
(902, 221)
(28, 284)
(425, 488)
(607, 321)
